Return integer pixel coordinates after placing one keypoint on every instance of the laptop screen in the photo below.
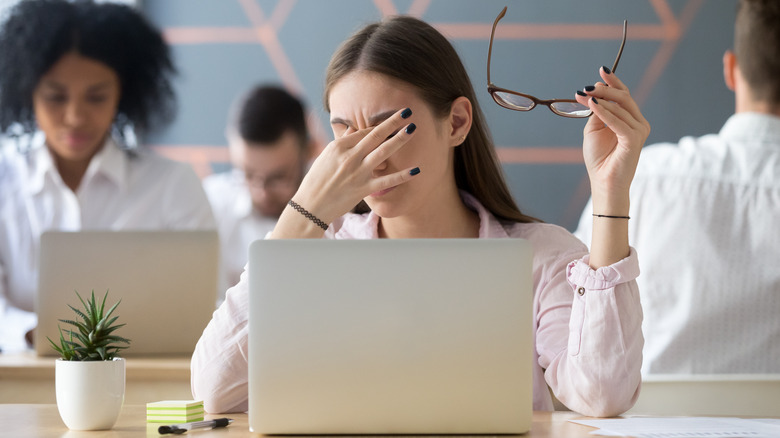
(167, 281)
(390, 336)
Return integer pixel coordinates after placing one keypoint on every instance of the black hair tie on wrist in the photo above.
(308, 215)
(611, 217)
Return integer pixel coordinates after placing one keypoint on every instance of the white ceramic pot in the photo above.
(90, 394)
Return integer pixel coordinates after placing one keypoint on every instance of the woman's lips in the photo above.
(78, 141)
(78, 138)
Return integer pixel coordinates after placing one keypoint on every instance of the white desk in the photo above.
(43, 420)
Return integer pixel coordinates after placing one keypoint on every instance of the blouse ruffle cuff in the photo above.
(580, 274)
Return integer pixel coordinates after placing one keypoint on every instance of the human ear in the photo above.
(460, 119)
(730, 69)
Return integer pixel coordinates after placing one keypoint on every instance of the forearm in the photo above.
(609, 240)
(613, 139)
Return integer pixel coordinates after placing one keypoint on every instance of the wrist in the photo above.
(292, 224)
(307, 214)
(610, 203)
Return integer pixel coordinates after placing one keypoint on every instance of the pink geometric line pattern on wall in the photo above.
(416, 9)
(641, 93)
(540, 154)
(264, 32)
(668, 46)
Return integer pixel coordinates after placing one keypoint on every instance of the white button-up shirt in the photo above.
(237, 222)
(705, 220)
(120, 191)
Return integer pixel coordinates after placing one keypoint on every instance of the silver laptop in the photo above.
(167, 281)
(390, 336)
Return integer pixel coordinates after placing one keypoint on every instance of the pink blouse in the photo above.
(587, 324)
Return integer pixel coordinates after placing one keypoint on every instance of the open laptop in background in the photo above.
(167, 281)
(411, 336)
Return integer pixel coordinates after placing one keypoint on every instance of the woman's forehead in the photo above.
(371, 95)
(75, 69)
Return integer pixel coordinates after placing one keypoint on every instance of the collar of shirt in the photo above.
(109, 162)
(752, 128)
(366, 226)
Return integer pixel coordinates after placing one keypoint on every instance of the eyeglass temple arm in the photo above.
(490, 47)
(503, 12)
(620, 51)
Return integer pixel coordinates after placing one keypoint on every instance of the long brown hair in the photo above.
(414, 52)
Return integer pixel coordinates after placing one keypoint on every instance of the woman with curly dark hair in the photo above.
(73, 78)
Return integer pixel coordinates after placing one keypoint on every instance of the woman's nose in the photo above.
(74, 113)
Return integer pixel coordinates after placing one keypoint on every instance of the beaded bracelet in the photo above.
(308, 215)
(611, 217)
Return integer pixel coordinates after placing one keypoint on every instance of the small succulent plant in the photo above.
(93, 337)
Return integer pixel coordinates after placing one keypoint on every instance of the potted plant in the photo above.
(89, 377)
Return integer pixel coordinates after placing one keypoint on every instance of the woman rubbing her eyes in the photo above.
(412, 144)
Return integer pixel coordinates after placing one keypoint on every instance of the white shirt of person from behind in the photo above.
(705, 221)
(238, 223)
(139, 190)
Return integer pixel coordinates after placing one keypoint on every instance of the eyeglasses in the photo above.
(525, 102)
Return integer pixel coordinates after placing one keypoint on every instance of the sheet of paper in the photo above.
(685, 427)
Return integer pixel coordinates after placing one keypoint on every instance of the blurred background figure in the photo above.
(269, 150)
(78, 82)
(704, 220)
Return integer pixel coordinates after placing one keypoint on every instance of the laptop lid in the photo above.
(167, 281)
(410, 336)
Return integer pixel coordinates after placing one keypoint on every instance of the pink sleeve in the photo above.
(220, 363)
(589, 336)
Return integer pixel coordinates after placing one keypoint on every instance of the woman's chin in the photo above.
(384, 209)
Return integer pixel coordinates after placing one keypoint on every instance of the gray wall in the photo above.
(672, 63)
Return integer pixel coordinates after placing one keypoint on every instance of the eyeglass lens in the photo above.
(513, 101)
(571, 109)
(521, 103)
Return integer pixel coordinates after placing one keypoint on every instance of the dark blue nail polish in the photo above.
(580, 93)
(411, 128)
(606, 69)
(590, 88)
(594, 100)
(414, 171)
(406, 113)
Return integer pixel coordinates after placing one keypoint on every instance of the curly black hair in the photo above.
(37, 33)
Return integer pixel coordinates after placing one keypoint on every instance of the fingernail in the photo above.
(606, 69)
(406, 113)
(414, 171)
(580, 93)
(594, 100)
(590, 87)
(411, 128)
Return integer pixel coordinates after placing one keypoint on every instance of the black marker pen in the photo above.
(178, 429)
